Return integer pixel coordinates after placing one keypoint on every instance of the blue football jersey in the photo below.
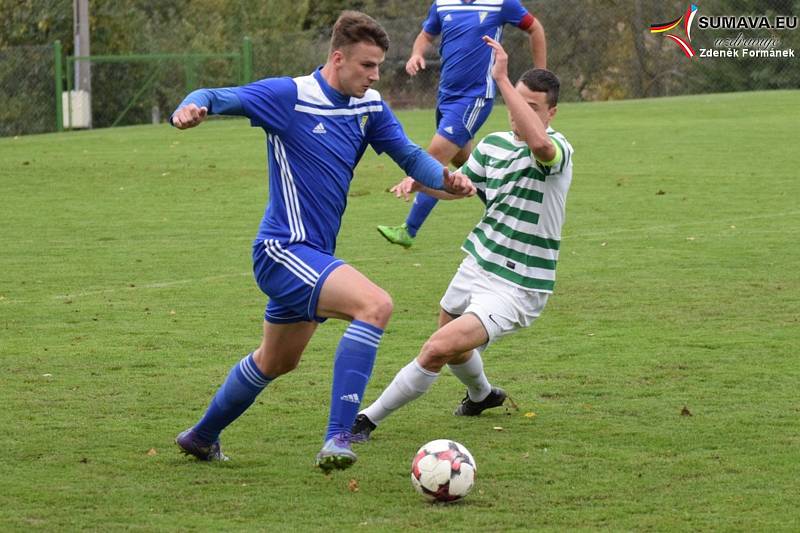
(466, 60)
(315, 138)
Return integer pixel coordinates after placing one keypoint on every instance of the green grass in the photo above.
(125, 296)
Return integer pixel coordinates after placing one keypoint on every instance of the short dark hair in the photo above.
(355, 27)
(541, 80)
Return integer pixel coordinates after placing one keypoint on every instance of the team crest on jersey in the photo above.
(482, 15)
(363, 123)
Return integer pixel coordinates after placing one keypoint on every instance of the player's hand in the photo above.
(189, 116)
(500, 68)
(457, 183)
(414, 64)
(405, 188)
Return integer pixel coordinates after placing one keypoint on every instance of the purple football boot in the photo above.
(191, 444)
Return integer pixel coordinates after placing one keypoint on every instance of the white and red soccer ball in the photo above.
(443, 470)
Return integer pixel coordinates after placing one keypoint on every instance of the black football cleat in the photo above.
(467, 407)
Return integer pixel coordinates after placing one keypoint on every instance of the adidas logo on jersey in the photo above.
(448, 18)
(352, 398)
(483, 15)
(449, 129)
(319, 128)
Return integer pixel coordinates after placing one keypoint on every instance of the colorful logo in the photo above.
(687, 19)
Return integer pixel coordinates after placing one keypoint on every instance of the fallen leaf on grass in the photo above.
(352, 485)
(685, 411)
(530, 414)
(498, 428)
(151, 452)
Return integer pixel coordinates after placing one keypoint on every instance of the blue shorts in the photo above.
(292, 276)
(458, 118)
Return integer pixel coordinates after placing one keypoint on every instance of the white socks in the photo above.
(409, 384)
(471, 374)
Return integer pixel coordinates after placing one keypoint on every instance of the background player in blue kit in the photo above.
(318, 127)
(466, 88)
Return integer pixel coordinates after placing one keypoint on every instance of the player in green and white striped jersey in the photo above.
(503, 283)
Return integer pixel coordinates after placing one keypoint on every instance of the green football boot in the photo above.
(397, 235)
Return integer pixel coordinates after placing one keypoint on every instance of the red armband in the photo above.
(526, 22)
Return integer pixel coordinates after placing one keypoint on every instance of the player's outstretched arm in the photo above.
(456, 184)
(196, 107)
(528, 122)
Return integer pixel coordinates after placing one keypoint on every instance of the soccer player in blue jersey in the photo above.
(466, 88)
(318, 127)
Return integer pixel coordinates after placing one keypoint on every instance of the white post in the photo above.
(83, 69)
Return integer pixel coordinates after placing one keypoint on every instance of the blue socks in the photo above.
(240, 389)
(352, 368)
(422, 207)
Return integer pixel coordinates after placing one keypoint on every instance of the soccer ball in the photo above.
(443, 471)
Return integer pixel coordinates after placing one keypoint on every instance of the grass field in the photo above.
(662, 377)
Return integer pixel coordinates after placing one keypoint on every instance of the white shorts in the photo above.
(501, 306)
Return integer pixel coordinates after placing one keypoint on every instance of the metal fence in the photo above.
(601, 49)
(27, 90)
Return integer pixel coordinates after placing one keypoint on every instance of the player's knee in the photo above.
(273, 366)
(435, 353)
(378, 309)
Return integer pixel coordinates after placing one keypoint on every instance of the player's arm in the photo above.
(417, 60)
(408, 185)
(473, 169)
(427, 172)
(385, 134)
(528, 122)
(538, 43)
(203, 102)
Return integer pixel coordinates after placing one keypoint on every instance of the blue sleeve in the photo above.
(385, 134)
(217, 101)
(513, 12)
(269, 103)
(419, 164)
(432, 24)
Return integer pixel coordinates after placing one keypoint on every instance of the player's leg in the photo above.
(457, 121)
(349, 295)
(413, 380)
(502, 308)
(443, 150)
(279, 352)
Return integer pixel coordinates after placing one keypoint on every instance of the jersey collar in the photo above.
(333, 95)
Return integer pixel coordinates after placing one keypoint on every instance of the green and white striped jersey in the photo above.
(519, 236)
